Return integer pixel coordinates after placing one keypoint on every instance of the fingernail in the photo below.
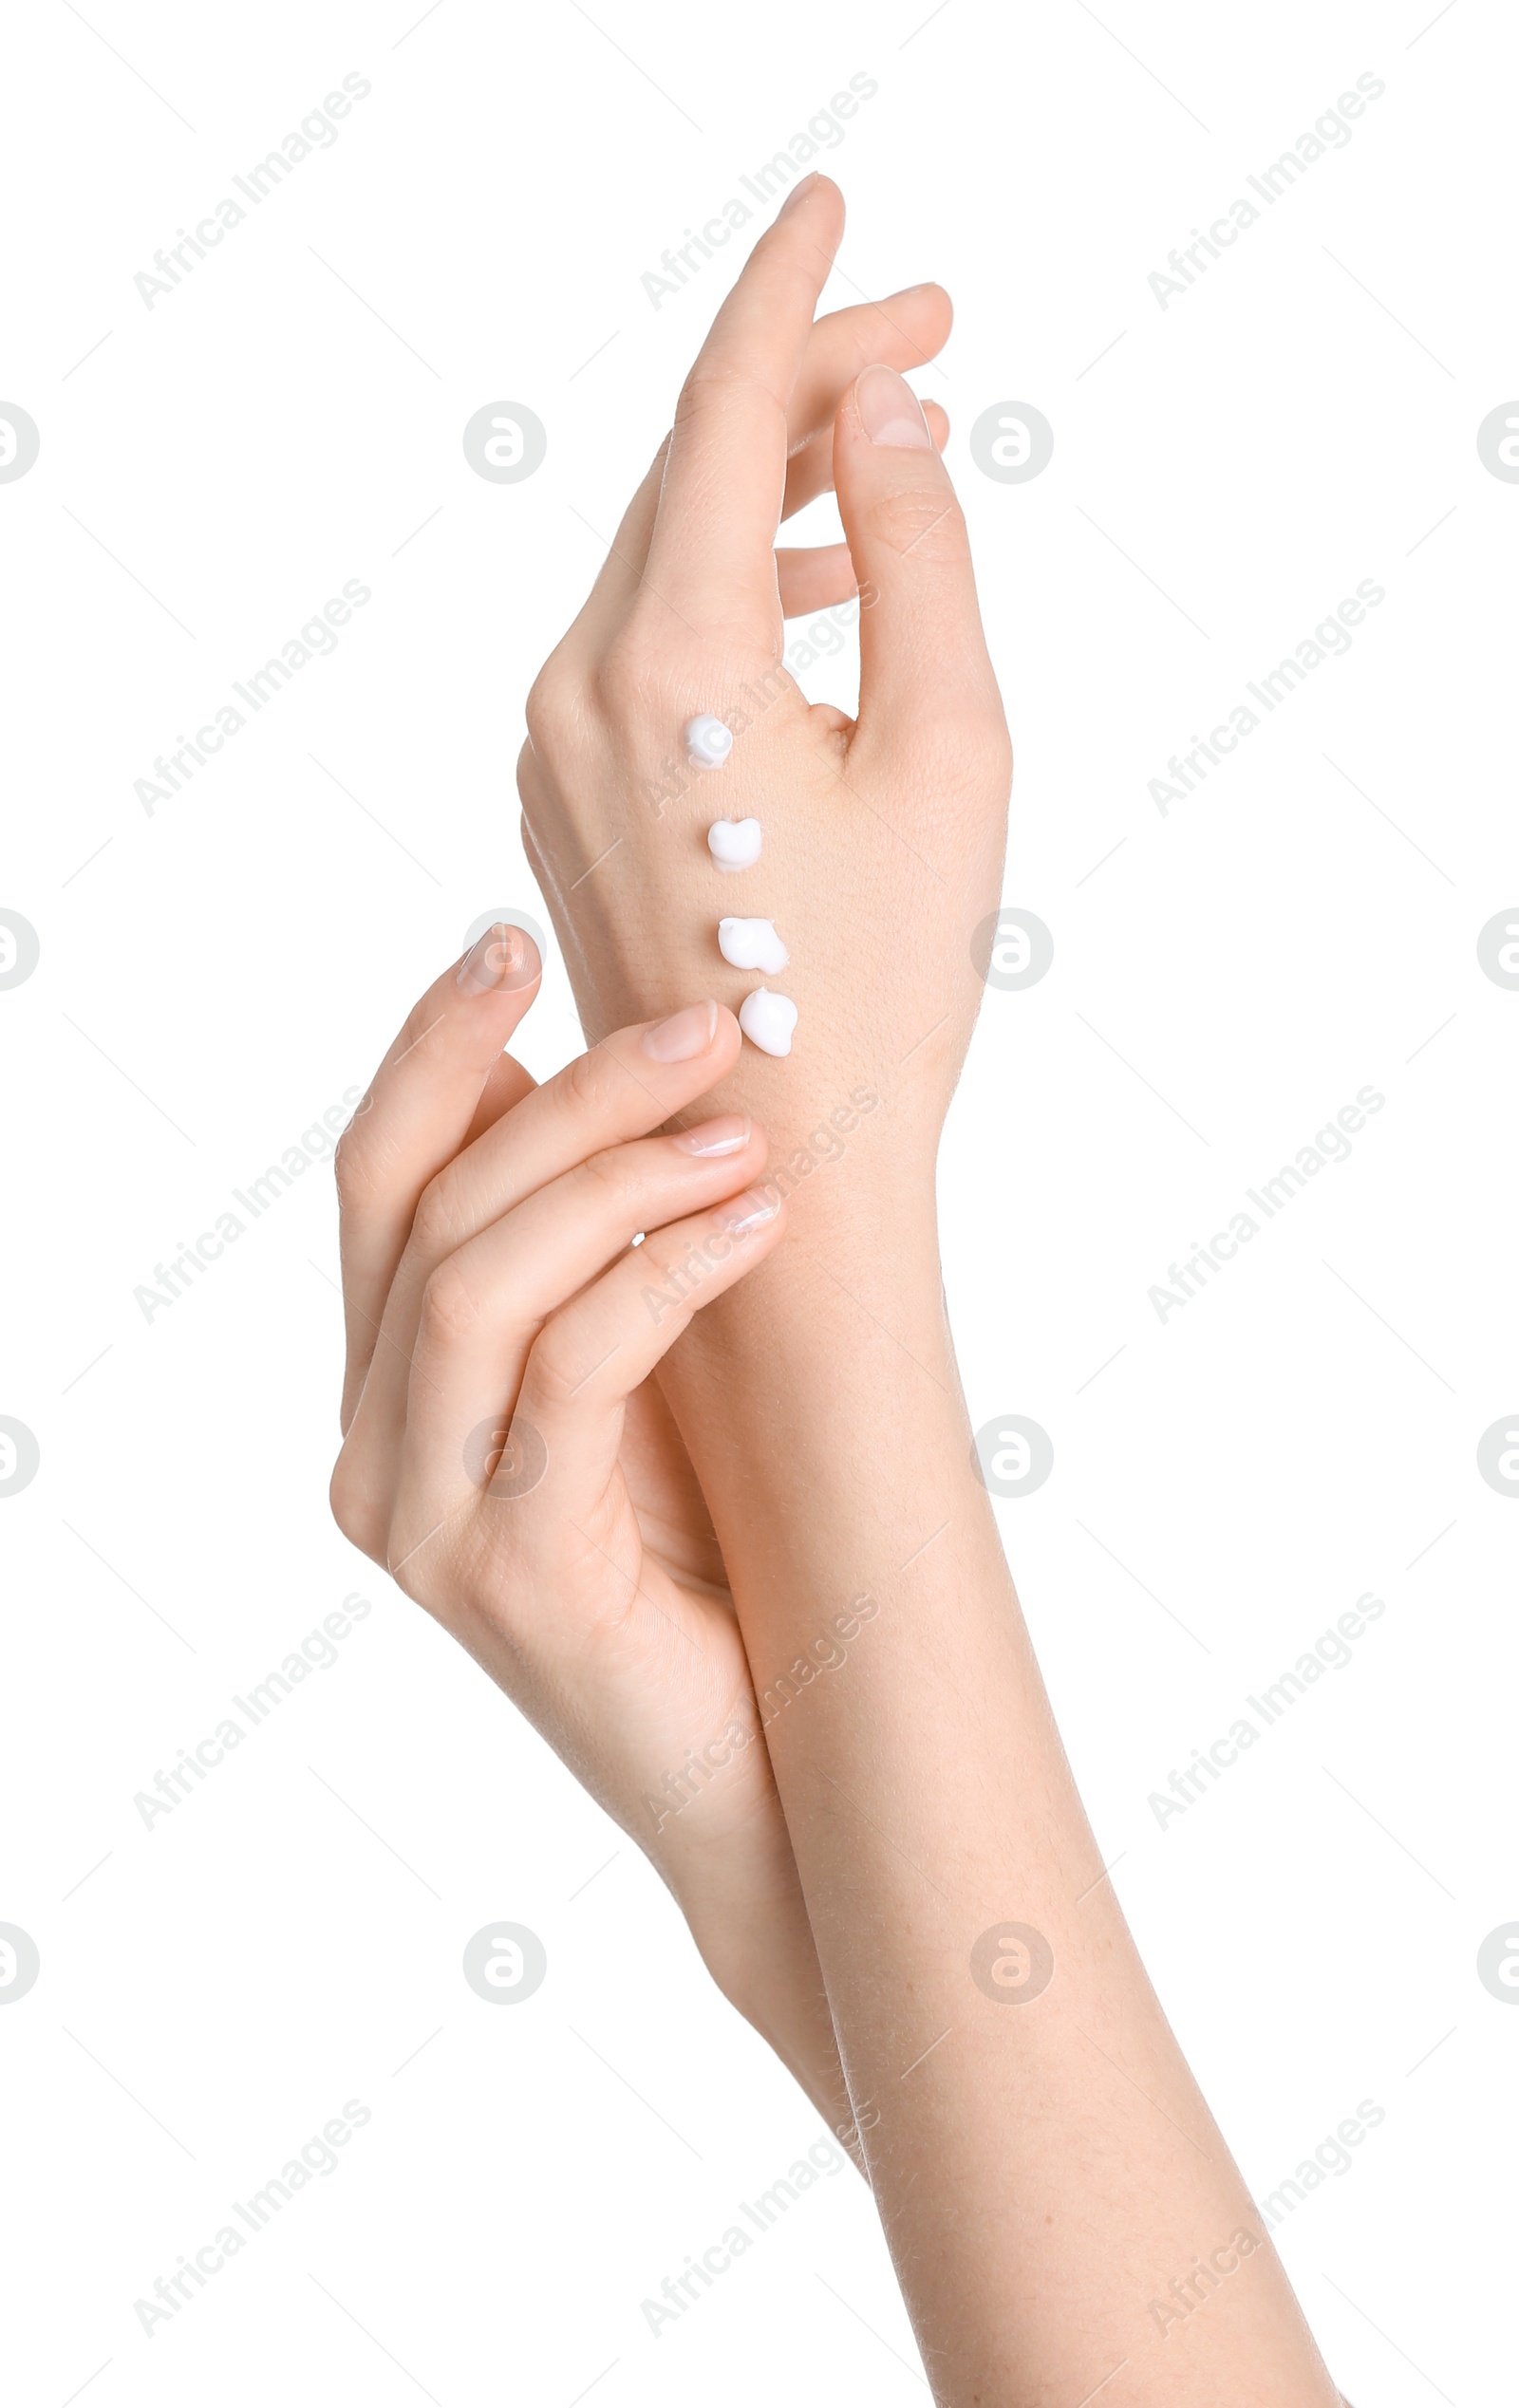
(684, 1034)
(797, 192)
(504, 958)
(890, 412)
(749, 1212)
(729, 1135)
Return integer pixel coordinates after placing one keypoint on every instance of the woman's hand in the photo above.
(1041, 2159)
(509, 1461)
(883, 838)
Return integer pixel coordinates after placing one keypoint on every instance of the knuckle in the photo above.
(434, 1224)
(623, 670)
(704, 392)
(587, 1087)
(551, 1380)
(553, 704)
(408, 1579)
(531, 784)
(611, 1178)
(420, 1022)
(715, 386)
(450, 1309)
(645, 669)
(352, 1170)
(354, 1510)
(929, 526)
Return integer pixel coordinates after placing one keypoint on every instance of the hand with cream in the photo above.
(872, 846)
(1040, 2156)
(509, 1460)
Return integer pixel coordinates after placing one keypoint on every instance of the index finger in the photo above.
(711, 556)
(425, 1100)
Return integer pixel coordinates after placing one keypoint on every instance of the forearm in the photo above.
(747, 1916)
(1046, 2170)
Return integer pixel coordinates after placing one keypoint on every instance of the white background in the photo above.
(213, 975)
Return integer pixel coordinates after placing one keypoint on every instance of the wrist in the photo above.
(858, 1262)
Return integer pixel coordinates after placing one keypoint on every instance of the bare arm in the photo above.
(1064, 2216)
(1059, 2201)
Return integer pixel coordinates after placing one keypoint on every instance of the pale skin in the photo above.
(726, 1472)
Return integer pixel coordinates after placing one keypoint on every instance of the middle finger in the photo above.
(623, 1087)
(905, 330)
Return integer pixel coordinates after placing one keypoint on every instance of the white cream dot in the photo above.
(767, 1020)
(734, 844)
(709, 742)
(752, 944)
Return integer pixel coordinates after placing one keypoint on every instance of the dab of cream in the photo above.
(767, 1020)
(708, 742)
(734, 844)
(752, 944)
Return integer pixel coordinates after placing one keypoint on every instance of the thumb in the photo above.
(922, 655)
